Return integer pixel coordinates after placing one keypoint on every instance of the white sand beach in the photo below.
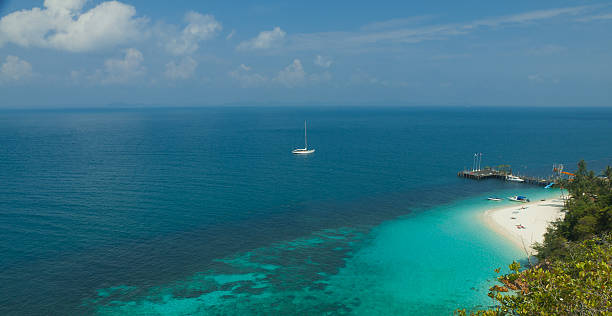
(525, 223)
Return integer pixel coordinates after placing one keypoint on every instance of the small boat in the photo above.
(514, 178)
(305, 150)
(518, 198)
(493, 198)
(549, 185)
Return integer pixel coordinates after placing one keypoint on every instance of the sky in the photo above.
(92, 53)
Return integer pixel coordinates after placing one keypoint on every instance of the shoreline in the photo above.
(534, 218)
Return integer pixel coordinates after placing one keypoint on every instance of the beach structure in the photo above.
(502, 172)
(502, 175)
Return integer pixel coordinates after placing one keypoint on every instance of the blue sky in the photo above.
(65, 53)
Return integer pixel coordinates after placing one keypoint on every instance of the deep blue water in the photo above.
(103, 209)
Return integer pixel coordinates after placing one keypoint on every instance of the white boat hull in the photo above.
(517, 200)
(302, 151)
(514, 178)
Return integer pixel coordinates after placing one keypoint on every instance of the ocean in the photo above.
(180, 211)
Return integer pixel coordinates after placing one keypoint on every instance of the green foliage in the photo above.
(588, 212)
(578, 284)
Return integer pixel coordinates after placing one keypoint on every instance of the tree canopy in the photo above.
(588, 212)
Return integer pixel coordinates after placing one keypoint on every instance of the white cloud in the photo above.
(395, 23)
(61, 25)
(546, 50)
(122, 70)
(539, 78)
(449, 56)
(394, 32)
(185, 69)
(265, 40)
(323, 61)
(293, 75)
(15, 69)
(246, 78)
(200, 27)
(362, 78)
(320, 77)
(68, 5)
(527, 17)
(599, 17)
(535, 77)
(75, 76)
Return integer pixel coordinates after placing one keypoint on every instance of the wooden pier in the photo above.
(502, 175)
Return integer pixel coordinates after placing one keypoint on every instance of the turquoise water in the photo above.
(205, 211)
(429, 263)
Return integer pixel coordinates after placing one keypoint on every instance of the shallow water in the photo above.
(402, 266)
(181, 211)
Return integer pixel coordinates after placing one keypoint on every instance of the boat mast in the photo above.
(305, 136)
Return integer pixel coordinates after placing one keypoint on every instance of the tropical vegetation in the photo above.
(574, 273)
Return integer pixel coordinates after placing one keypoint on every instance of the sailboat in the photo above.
(305, 150)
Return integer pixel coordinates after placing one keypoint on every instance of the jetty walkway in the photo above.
(502, 175)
